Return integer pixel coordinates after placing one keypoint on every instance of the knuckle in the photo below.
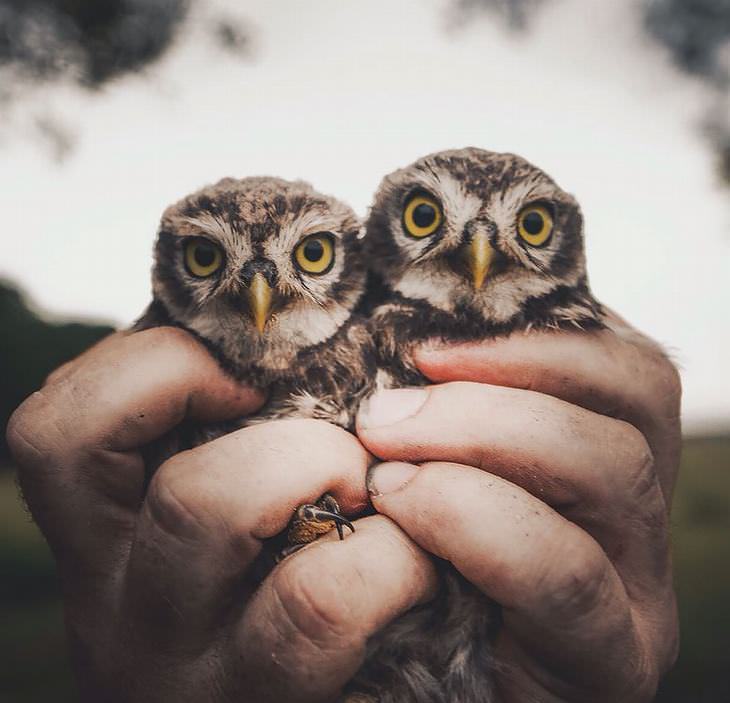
(178, 501)
(667, 381)
(319, 610)
(579, 586)
(671, 377)
(59, 373)
(641, 681)
(635, 451)
(671, 647)
(639, 481)
(30, 430)
(19, 433)
(660, 626)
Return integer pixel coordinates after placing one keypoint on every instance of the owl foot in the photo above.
(312, 520)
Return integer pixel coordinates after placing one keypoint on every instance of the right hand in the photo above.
(160, 603)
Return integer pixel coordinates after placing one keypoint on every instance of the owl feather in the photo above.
(469, 245)
(268, 275)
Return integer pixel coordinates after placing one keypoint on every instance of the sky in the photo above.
(340, 93)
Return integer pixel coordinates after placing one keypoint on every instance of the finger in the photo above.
(207, 511)
(76, 441)
(561, 597)
(593, 469)
(615, 371)
(304, 632)
(65, 369)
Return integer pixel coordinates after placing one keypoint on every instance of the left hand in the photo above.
(546, 468)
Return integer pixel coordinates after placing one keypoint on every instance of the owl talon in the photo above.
(288, 551)
(312, 512)
(311, 521)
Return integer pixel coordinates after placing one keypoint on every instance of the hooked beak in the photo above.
(479, 255)
(259, 299)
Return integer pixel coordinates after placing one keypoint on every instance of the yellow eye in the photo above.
(422, 215)
(202, 258)
(315, 254)
(535, 225)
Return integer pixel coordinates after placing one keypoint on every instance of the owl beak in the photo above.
(479, 254)
(259, 298)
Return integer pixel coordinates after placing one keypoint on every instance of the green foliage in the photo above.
(701, 536)
(30, 348)
(34, 660)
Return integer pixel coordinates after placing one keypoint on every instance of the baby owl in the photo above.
(267, 274)
(469, 244)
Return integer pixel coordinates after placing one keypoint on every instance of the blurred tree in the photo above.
(696, 33)
(516, 13)
(30, 348)
(89, 40)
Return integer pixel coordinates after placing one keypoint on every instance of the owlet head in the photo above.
(260, 268)
(478, 230)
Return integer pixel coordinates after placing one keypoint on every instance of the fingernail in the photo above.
(390, 477)
(387, 407)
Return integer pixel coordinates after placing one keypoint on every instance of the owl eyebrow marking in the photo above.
(213, 225)
(432, 170)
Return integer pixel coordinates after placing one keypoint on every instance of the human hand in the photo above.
(160, 600)
(549, 465)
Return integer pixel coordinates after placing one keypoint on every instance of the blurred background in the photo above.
(112, 109)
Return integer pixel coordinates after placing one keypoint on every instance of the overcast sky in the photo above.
(340, 93)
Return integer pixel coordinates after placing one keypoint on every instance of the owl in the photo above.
(268, 275)
(469, 245)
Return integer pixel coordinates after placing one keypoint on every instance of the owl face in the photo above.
(478, 230)
(260, 268)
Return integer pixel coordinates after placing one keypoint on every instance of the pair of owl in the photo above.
(289, 291)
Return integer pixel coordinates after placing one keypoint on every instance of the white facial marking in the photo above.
(216, 228)
(435, 286)
(293, 230)
(459, 207)
(504, 296)
(286, 333)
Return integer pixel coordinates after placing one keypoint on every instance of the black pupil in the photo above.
(313, 251)
(204, 255)
(424, 215)
(533, 223)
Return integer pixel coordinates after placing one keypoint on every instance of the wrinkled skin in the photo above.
(546, 464)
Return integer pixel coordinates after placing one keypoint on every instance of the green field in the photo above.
(35, 666)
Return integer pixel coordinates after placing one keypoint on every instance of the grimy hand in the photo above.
(159, 601)
(546, 468)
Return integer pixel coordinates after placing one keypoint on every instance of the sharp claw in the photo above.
(288, 551)
(339, 520)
